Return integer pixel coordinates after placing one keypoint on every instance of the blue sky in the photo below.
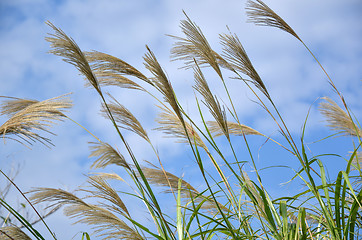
(331, 28)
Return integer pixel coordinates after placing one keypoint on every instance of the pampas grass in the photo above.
(230, 202)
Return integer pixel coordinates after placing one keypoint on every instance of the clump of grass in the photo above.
(235, 203)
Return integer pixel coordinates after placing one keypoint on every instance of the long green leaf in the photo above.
(178, 210)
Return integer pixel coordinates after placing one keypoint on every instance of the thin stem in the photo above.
(84, 128)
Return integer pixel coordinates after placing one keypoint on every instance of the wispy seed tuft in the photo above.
(112, 71)
(337, 119)
(233, 128)
(29, 116)
(66, 47)
(106, 155)
(260, 14)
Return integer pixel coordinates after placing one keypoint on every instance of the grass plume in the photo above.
(211, 101)
(102, 190)
(194, 47)
(106, 155)
(233, 128)
(260, 14)
(171, 125)
(13, 233)
(65, 47)
(170, 182)
(337, 119)
(112, 71)
(125, 119)
(29, 116)
(235, 54)
(105, 224)
(161, 82)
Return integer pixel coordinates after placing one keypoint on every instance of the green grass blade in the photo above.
(346, 178)
(22, 220)
(338, 205)
(283, 212)
(355, 208)
(325, 186)
(178, 209)
(301, 223)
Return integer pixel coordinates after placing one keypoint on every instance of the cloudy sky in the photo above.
(332, 29)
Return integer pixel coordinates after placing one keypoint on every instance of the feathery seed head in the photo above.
(14, 105)
(66, 47)
(194, 47)
(237, 59)
(28, 116)
(105, 224)
(233, 128)
(125, 119)
(211, 101)
(102, 190)
(171, 125)
(337, 119)
(107, 155)
(112, 71)
(161, 82)
(165, 179)
(12, 233)
(260, 14)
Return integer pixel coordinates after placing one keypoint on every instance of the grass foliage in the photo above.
(235, 203)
